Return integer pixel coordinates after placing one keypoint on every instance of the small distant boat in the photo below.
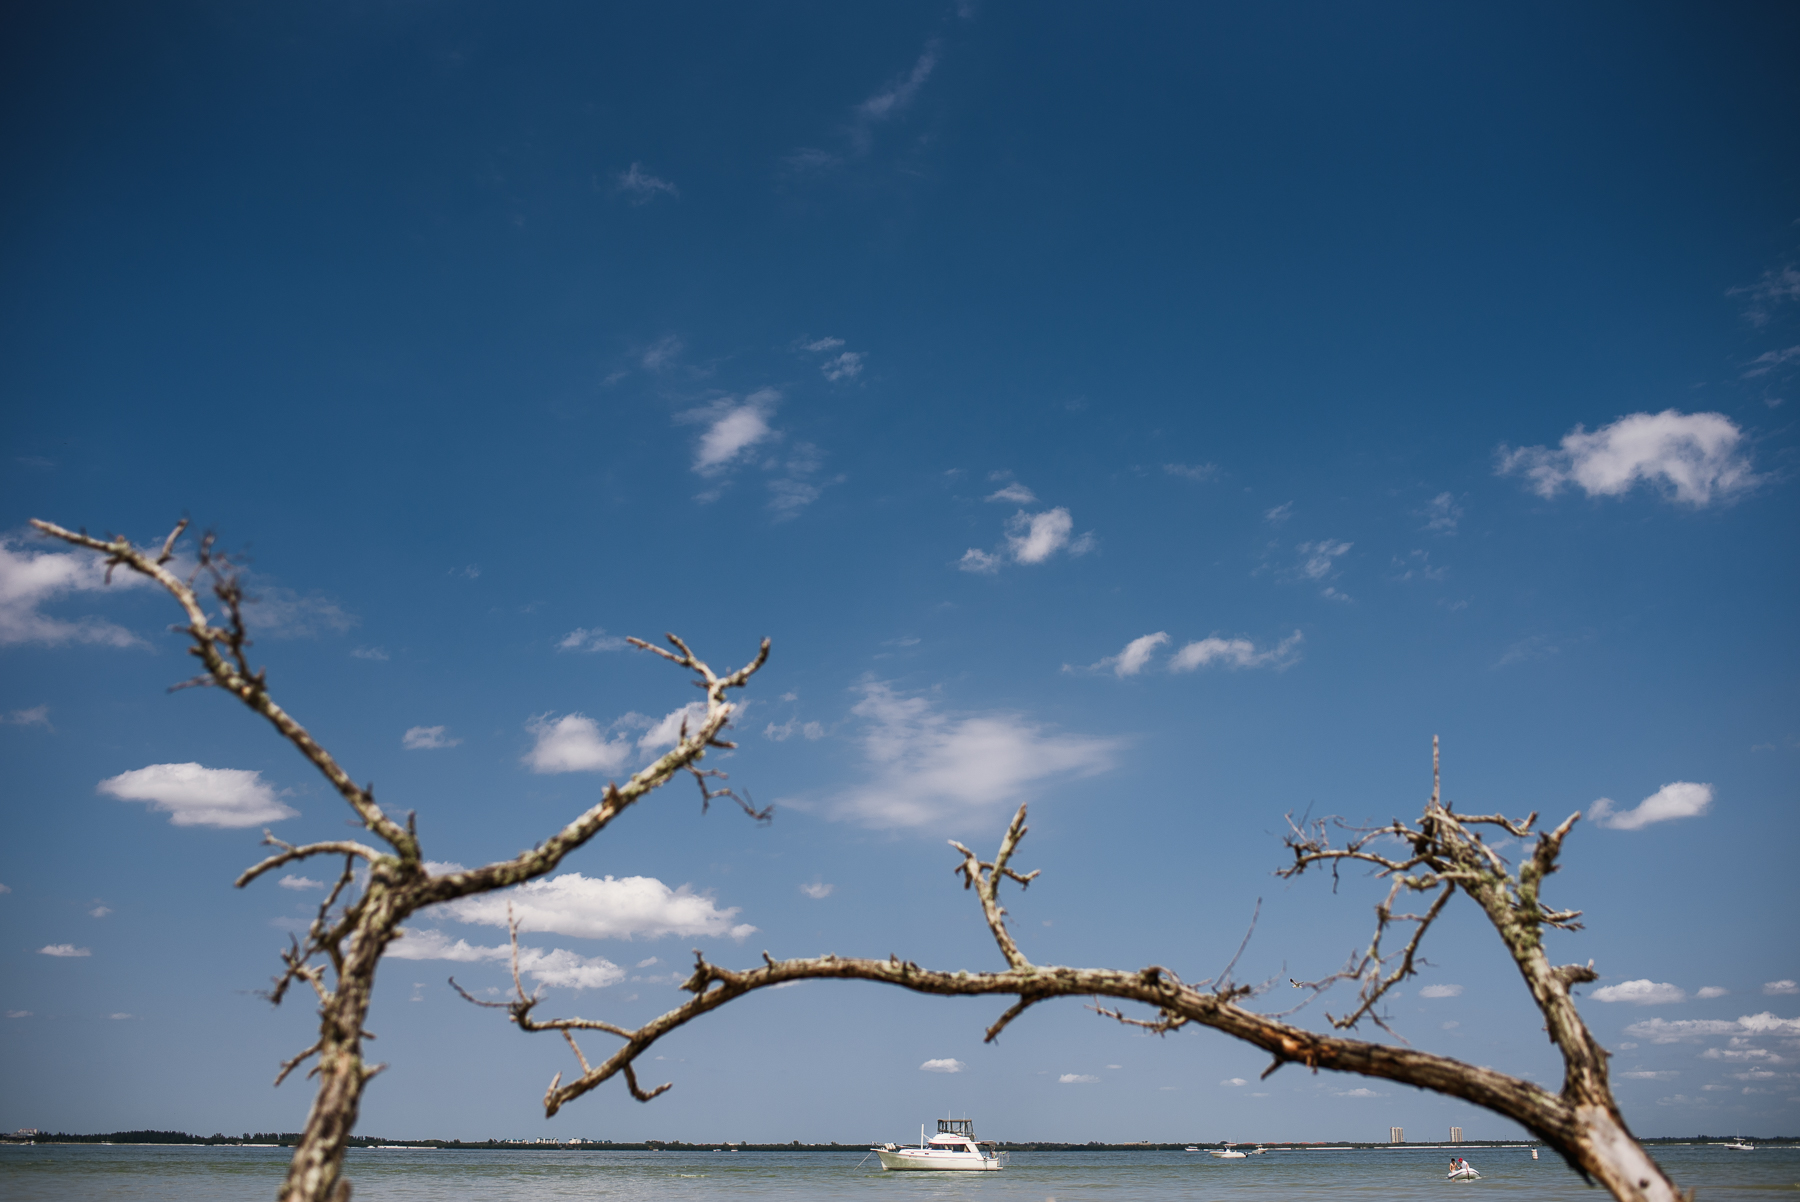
(1462, 1172)
(1225, 1151)
(1739, 1144)
(954, 1149)
(1190, 1148)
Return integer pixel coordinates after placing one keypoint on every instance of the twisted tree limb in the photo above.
(1582, 1121)
(344, 943)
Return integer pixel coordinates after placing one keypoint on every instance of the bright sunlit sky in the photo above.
(1171, 416)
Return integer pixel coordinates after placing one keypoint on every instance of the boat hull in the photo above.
(937, 1162)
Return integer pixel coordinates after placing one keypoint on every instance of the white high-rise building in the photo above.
(1456, 1135)
(1396, 1135)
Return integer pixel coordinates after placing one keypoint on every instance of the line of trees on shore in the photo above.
(290, 1138)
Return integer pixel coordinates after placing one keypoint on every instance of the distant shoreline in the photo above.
(374, 1143)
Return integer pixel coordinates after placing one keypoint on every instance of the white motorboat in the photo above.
(1738, 1144)
(1227, 1152)
(954, 1149)
(1190, 1148)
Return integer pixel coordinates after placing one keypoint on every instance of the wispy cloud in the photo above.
(427, 738)
(1776, 287)
(818, 890)
(662, 354)
(375, 653)
(1442, 513)
(1711, 991)
(947, 1065)
(1678, 799)
(1768, 361)
(1077, 1079)
(1691, 458)
(1279, 514)
(300, 884)
(1641, 993)
(633, 907)
(194, 795)
(1318, 561)
(792, 727)
(1781, 988)
(64, 951)
(898, 94)
(37, 715)
(885, 105)
(1237, 653)
(799, 482)
(1440, 991)
(1013, 494)
(30, 579)
(1192, 471)
(583, 638)
(643, 187)
(929, 768)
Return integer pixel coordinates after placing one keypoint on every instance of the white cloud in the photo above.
(1442, 513)
(375, 653)
(1651, 1075)
(193, 795)
(596, 639)
(1136, 654)
(1660, 1030)
(64, 950)
(649, 962)
(1192, 471)
(643, 187)
(557, 967)
(299, 883)
(1692, 457)
(1319, 560)
(666, 731)
(1775, 287)
(426, 738)
(274, 612)
(1014, 493)
(29, 579)
(601, 908)
(928, 767)
(1359, 1092)
(979, 561)
(1441, 991)
(18, 1014)
(1678, 799)
(1076, 1079)
(732, 428)
(1768, 361)
(1711, 991)
(100, 911)
(798, 485)
(1033, 538)
(1234, 1081)
(1280, 513)
(1641, 993)
(899, 94)
(946, 1065)
(573, 743)
(1781, 988)
(664, 352)
(846, 366)
(5, 888)
(1237, 653)
(818, 890)
(37, 715)
(117, 1017)
(793, 726)
(822, 345)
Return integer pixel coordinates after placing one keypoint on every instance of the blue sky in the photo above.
(1171, 418)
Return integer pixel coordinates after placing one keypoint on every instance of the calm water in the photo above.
(118, 1174)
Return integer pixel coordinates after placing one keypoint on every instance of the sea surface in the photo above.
(121, 1173)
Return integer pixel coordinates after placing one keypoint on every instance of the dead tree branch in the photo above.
(357, 921)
